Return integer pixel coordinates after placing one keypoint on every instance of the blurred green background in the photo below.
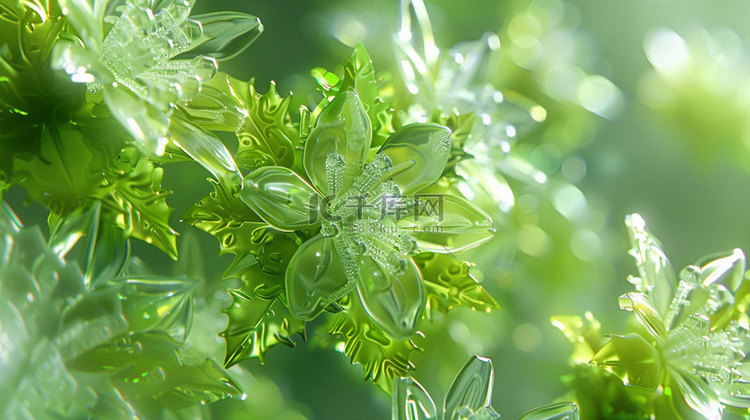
(674, 151)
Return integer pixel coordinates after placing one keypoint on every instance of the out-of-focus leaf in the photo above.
(148, 369)
(632, 359)
(449, 283)
(585, 335)
(657, 278)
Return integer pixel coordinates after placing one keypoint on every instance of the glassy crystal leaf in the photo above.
(151, 302)
(394, 299)
(88, 18)
(281, 197)
(657, 278)
(137, 205)
(343, 127)
(149, 370)
(144, 122)
(256, 325)
(449, 283)
(415, 48)
(698, 394)
(411, 401)
(727, 269)
(229, 220)
(106, 252)
(632, 359)
(559, 411)
(640, 304)
(383, 358)
(315, 278)
(445, 223)
(207, 150)
(359, 74)
(736, 394)
(225, 35)
(418, 153)
(472, 388)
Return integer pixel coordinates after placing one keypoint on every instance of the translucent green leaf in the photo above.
(256, 325)
(559, 411)
(449, 283)
(585, 335)
(640, 304)
(698, 394)
(727, 269)
(452, 224)
(471, 388)
(138, 206)
(411, 401)
(315, 278)
(225, 34)
(359, 74)
(632, 359)
(416, 51)
(394, 300)
(281, 197)
(343, 127)
(147, 124)
(657, 278)
(383, 358)
(149, 370)
(207, 150)
(228, 219)
(419, 153)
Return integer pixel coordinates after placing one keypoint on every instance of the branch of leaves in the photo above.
(687, 352)
(294, 262)
(104, 343)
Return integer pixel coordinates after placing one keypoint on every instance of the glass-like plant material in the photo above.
(693, 333)
(338, 228)
(150, 61)
(469, 398)
(106, 344)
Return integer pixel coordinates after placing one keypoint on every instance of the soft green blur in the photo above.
(672, 145)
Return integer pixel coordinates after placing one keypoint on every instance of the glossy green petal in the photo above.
(315, 278)
(418, 153)
(641, 305)
(632, 359)
(559, 411)
(393, 299)
(80, 63)
(343, 127)
(657, 278)
(445, 223)
(87, 17)
(225, 35)
(471, 388)
(698, 394)
(281, 197)
(727, 269)
(144, 122)
(207, 150)
(736, 394)
(411, 401)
